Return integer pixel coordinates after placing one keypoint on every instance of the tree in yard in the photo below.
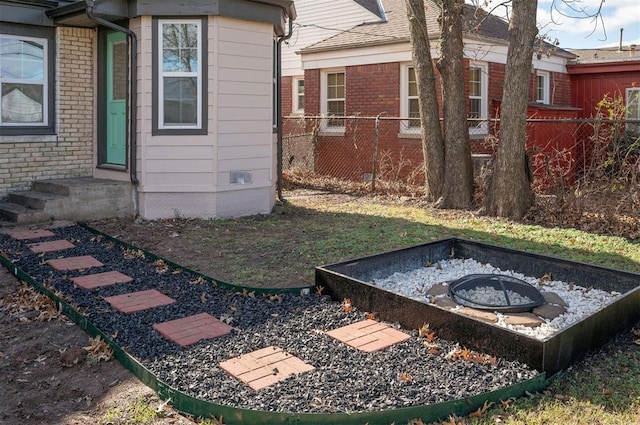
(432, 140)
(509, 193)
(447, 158)
(458, 174)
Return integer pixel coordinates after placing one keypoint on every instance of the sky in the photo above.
(575, 29)
(589, 32)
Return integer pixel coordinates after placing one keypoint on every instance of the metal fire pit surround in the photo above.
(354, 279)
(516, 295)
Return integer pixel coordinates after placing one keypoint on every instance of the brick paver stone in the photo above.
(31, 234)
(75, 263)
(191, 329)
(264, 367)
(369, 335)
(50, 246)
(101, 279)
(137, 301)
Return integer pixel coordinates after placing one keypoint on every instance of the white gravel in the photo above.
(580, 302)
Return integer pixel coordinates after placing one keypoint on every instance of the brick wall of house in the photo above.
(560, 89)
(312, 92)
(287, 93)
(373, 89)
(24, 159)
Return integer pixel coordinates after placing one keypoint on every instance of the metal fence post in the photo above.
(376, 138)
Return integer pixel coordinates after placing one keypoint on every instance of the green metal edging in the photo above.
(221, 283)
(237, 416)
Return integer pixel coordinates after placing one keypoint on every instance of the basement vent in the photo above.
(240, 177)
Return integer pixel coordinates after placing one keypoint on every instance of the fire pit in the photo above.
(356, 280)
(495, 292)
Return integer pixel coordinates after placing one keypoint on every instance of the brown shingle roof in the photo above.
(394, 30)
(478, 24)
(607, 54)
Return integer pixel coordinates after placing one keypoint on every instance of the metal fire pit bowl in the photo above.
(500, 283)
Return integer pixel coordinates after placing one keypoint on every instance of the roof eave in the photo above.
(348, 46)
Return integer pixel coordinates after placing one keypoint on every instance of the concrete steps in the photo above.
(75, 199)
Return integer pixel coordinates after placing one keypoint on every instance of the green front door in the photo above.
(116, 99)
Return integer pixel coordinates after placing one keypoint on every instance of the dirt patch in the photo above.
(43, 384)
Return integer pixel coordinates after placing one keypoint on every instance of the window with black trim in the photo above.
(180, 76)
(26, 80)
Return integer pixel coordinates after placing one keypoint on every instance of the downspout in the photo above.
(133, 90)
(279, 107)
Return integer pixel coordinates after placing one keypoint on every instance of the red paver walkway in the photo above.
(368, 335)
(75, 263)
(191, 329)
(31, 234)
(51, 246)
(101, 279)
(137, 301)
(264, 367)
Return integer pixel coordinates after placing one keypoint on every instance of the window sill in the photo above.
(477, 136)
(417, 135)
(332, 133)
(29, 138)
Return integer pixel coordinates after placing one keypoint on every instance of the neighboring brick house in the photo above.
(176, 97)
(368, 70)
(317, 20)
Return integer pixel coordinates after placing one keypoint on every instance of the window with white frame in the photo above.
(409, 106)
(633, 108)
(26, 86)
(334, 96)
(542, 87)
(298, 95)
(478, 83)
(180, 83)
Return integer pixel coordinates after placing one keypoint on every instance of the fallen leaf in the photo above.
(346, 305)
(319, 289)
(607, 391)
(424, 330)
(203, 298)
(562, 397)
(481, 410)
(406, 377)
(370, 316)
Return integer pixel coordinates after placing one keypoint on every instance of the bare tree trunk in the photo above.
(432, 142)
(509, 193)
(458, 169)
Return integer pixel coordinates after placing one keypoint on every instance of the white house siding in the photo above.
(244, 124)
(188, 175)
(331, 18)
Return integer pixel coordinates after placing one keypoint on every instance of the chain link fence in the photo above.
(384, 154)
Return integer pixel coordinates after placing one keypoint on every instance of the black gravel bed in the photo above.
(344, 380)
